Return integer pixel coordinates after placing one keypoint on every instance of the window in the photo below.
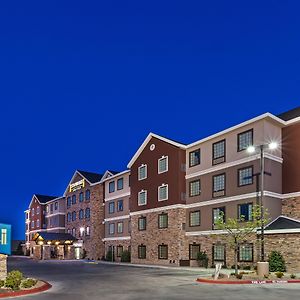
(120, 183)
(194, 249)
(245, 139)
(73, 215)
(81, 214)
(87, 195)
(246, 252)
(142, 252)
(120, 227)
(195, 188)
(38, 209)
(32, 211)
(81, 197)
(218, 150)
(74, 232)
(194, 158)
(111, 187)
(195, 218)
(120, 205)
(37, 223)
(219, 252)
(119, 251)
(51, 208)
(163, 192)
(111, 207)
(142, 198)
(56, 206)
(69, 217)
(74, 199)
(32, 224)
(245, 176)
(142, 223)
(163, 220)
(219, 185)
(3, 236)
(111, 228)
(142, 172)
(163, 164)
(163, 251)
(87, 231)
(87, 213)
(245, 212)
(68, 201)
(218, 213)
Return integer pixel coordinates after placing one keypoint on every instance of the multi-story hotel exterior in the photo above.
(117, 219)
(164, 207)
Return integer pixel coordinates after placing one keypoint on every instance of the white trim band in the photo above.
(117, 196)
(145, 211)
(117, 238)
(117, 218)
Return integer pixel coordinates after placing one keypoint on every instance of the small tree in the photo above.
(238, 230)
(276, 261)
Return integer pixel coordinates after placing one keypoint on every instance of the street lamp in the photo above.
(262, 148)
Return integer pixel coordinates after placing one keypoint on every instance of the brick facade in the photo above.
(3, 266)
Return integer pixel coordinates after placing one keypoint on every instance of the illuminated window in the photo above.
(3, 236)
(87, 230)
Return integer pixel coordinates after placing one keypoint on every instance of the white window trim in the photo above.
(146, 172)
(167, 164)
(158, 194)
(142, 191)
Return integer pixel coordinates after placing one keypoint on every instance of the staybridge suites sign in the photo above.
(76, 186)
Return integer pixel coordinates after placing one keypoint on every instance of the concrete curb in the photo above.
(40, 289)
(259, 282)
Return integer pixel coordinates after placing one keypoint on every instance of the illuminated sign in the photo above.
(76, 186)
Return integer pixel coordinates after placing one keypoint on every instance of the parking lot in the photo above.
(80, 280)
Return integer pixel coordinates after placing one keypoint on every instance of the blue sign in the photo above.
(5, 239)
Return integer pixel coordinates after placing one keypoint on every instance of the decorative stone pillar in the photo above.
(37, 252)
(60, 252)
(46, 252)
(3, 266)
(70, 252)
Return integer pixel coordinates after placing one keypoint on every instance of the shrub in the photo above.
(109, 256)
(293, 276)
(276, 262)
(239, 276)
(125, 257)
(2, 283)
(246, 267)
(13, 280)
(28, 283)
(202, 259)
(279, 274)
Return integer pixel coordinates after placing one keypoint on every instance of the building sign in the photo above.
(76, 186)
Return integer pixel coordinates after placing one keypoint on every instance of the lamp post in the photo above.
(252, 149)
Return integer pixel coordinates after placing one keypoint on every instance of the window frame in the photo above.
(111, 184)
(140, 192)
(190, 183)
(215, 160)
(190, 214)
(87, 195)
(118, 202)
(238, 176)
(146, 172)
(190, 164)
(164, 185)
(140, 252)
(167, 164)
(111, 204)
(118, 252)
(120, 180)
(215, 193)
(238, 212)
(213, 253)
(190, 250)
(224, 217)
(167, 220)
(166, 247)
(239, 253)
(121, 227)
(81, 198)
(238, 139)
(145, 227)
(111, 225)
(89, 214)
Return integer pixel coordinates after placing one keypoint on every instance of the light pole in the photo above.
(252, 149)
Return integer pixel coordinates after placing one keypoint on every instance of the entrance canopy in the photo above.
(51, 238)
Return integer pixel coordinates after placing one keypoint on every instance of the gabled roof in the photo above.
(44, 198)
(115, 175)
(144, 144)
(90, 176)
(283, 222)
(290, 114)
(52, 236)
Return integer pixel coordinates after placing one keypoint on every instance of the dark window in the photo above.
(87, 195)
(111, 187)
(111, 228)
(195, 188)
(245, 212)
(194, 158)
(87, 213)
(51, 207)
(69, 217)
(56, 205)
(219, 252)
(120, 205)
(218, 150)
(218, 213)
(245, 176)
(81, 197)
(141, 251)
(74, 199)
(245, 139)
(81, 214)
(111, 207)
(68, 201)
(195, 218)
(162, 251)
(219, 185)
(194, 249)
(120, 183)
(246, 252)
(142, 223)
(119, 251)
(73, 215)
(163, 220)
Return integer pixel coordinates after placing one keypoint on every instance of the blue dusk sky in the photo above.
(82, 83)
